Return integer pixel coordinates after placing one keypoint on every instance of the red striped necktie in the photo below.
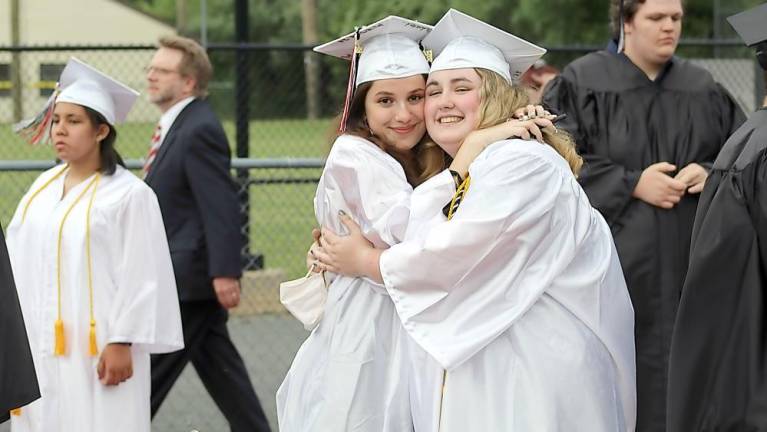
(153, 149)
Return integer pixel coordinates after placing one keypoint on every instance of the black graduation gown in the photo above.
(622, 123)
(718, 364)
(18, 381)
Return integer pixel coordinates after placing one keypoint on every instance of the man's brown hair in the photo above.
(630, 8)
(194, 63)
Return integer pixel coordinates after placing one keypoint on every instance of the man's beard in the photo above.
(161, 98)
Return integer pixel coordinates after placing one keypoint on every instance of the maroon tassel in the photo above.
(37, 129)
(352, 82)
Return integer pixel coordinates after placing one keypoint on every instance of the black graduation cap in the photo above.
(751, 25)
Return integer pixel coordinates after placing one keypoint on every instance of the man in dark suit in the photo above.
(18, 381)
(188, 167)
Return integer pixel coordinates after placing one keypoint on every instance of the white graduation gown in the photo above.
(351, 372)
(521, 298)
(134, 301)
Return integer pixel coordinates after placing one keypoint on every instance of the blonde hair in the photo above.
(423, 161)
(194, 63)
(499, 100)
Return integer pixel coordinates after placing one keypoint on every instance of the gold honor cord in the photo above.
(93, 348)
(460, 193)
(17, 411)
(60, 343)
(37, 192)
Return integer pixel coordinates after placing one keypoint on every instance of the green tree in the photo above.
(550, 23)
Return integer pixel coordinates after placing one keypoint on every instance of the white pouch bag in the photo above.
(305, 298)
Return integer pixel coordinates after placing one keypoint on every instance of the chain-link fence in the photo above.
(276, 104)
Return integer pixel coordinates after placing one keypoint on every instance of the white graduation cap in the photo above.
(389, 49)
(460, 41)
(84, 85)
(81, 84)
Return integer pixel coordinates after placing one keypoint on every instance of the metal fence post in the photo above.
(242, 120)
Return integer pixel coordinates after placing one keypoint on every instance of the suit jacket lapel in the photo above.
(170, 137)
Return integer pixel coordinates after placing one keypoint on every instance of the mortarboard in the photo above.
(387, 49)
(461, 41)
(84, 85)
(751, 26)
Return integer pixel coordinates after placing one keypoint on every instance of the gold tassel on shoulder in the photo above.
(16, 412)
(60, 345)
(94, 349)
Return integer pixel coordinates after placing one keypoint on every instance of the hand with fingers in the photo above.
(227, 291)
(531, 112)
(350, 255)
(694, 176)
(311, 256)
(657, 188)
(531, 120)
(524, 127)
(115, 364)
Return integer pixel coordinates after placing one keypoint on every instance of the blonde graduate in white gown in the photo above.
(516, 302)
(351, 372)
(93, 270)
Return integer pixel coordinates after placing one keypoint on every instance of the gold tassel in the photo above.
(60, 345)
(16, 412)
(94, 349)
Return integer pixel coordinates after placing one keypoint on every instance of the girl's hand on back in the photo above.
(350, 255)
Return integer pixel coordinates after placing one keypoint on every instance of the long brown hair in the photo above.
(498, 101)
(423, 161)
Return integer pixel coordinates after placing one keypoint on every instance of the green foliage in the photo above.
(550, 23)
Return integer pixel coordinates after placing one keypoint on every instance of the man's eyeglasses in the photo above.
(159, 70)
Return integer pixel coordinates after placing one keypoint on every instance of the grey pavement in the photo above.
(267, 343)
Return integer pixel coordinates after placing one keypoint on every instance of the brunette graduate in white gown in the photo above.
(93, 271)
(516, 302)
(358, 344)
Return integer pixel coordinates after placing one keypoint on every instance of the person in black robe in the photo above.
(18, 381)
(717, 371)
(648, 126)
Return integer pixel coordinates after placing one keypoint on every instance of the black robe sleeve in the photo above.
(18, 381)
(717, 371)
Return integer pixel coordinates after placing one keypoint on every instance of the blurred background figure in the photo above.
(649, 126)
(188, 167)
(534, 80)
(18, 381)
(716, 369)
